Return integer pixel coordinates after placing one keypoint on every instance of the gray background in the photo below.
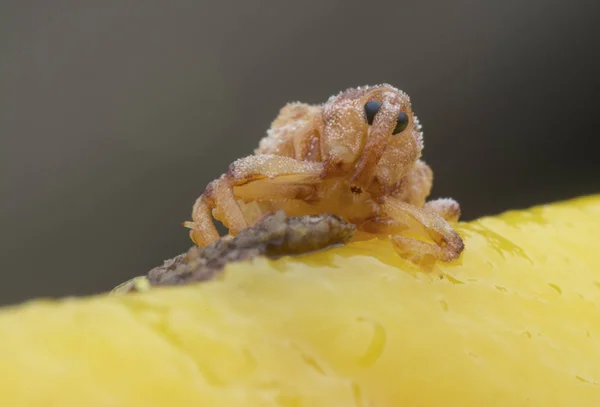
(115, 114)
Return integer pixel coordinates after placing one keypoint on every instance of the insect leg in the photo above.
(203, 231)
(218, 196)
(447, 244)
(260, 177)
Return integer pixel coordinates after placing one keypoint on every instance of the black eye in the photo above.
(401, 123)
(371, 109)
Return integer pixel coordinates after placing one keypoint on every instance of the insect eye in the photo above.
(401, 123)
(371, 109)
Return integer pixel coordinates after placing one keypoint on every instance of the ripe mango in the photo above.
(514, 322)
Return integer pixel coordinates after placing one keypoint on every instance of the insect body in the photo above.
(356, 156)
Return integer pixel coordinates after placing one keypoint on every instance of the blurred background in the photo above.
(114, 115)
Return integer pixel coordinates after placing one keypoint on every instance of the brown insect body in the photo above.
(356, 156)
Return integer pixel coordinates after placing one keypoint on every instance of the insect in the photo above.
(356, 156)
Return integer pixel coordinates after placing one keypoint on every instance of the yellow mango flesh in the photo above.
(515, 322)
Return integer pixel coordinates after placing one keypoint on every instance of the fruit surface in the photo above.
(514, 322)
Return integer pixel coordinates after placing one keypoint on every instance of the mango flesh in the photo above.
(514, 322)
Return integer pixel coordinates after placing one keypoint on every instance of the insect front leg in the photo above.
(254, 178)
(447, 244)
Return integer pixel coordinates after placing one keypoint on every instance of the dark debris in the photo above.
(277, 235)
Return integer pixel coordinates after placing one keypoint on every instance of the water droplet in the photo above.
(309, 360)
(592, 382)
(453, 280)
(557, 288)
(375, 348)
